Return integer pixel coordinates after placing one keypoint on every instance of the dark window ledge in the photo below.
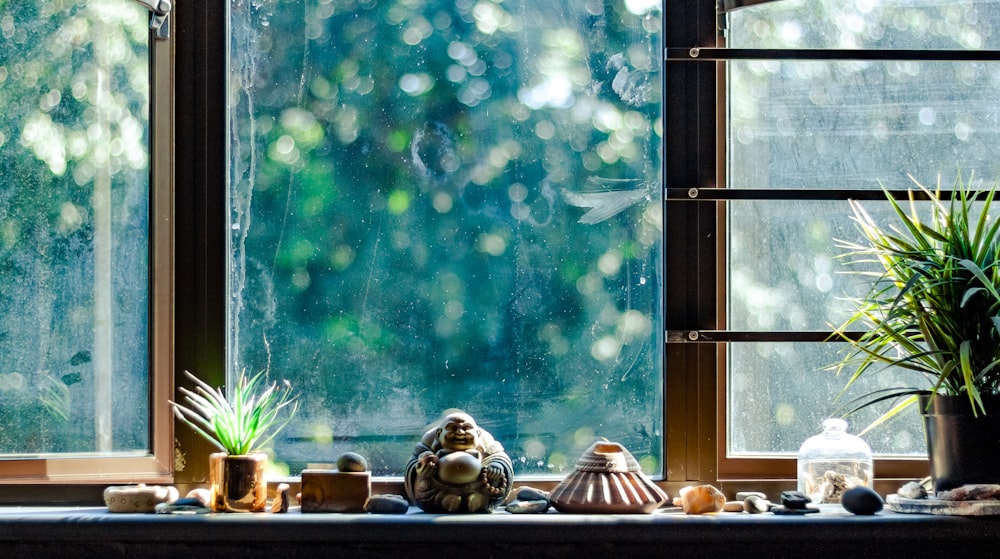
(75, 532)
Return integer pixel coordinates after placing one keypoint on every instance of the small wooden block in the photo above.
(330, 491)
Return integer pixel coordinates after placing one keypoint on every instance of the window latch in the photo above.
(159, 10)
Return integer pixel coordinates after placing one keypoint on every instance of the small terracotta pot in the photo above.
(238, 483)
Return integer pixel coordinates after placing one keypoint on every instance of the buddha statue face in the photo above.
(458, 431)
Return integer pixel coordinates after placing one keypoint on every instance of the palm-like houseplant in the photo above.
(933, 307)
(240, 425)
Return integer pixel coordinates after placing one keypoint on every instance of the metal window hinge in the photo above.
(159, 12)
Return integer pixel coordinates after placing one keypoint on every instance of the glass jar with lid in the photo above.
(833, 462)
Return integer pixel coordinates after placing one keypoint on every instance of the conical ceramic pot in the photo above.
(607, 479)
(962, 447)
(238, 483)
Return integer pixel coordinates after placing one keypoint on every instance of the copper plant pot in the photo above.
(238, 483)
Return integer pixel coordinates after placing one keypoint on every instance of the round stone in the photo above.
(861, 501)
(352, 462)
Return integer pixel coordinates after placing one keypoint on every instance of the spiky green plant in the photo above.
(243, 424)
(933, 307)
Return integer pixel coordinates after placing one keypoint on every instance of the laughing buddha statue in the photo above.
(458, 467)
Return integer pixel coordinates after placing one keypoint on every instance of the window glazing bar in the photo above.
(716, 54)
(725, 336)
(725, 194)
(730, 5)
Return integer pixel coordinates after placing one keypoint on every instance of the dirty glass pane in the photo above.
(74, 199)
(450, 204)
(836, 125)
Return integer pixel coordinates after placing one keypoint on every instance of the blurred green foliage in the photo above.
(74, 90)
(406, 184)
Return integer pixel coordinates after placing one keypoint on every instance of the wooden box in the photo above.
(332, 491)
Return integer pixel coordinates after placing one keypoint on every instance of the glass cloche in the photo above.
(833, 462)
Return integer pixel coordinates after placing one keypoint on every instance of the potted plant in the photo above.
(240, 427)
(934, 309)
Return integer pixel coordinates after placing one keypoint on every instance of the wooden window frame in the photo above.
(695, 156)
(20, 476)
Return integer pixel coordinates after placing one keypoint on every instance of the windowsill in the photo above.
(66, 531)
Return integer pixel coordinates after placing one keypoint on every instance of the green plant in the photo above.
(933, 307)
(243, 424)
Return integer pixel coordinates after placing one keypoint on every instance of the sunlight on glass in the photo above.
(835, 125)
(74, 228)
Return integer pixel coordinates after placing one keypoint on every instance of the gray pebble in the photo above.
(527, 507)
(386, 504)
(742, 495)
(756, 505)
(352, 462)
(531, 494)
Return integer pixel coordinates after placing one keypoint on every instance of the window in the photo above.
(824, 100)
(450, 204)
(84, 218)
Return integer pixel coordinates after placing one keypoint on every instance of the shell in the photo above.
(607, 480)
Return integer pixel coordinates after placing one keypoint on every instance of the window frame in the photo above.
(697, 337)
(156, 465)
(189, 255)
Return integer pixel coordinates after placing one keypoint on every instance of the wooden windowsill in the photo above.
(79, 531)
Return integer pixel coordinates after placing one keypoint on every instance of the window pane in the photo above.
(450, 204)
(835, 125)
(869, 24)
(780, 393)
(74, 205)
(854, 125)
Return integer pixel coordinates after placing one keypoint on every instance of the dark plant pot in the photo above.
(238, 483)
(962, 447)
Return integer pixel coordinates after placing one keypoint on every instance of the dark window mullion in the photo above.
(712, 54)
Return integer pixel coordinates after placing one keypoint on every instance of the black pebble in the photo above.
(861, 500)
(795, 500)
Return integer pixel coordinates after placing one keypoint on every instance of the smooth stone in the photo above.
(386, 504)
(528, 507)
(742, 495)
(794, 500)
(203, 495)
(756, 505)
(174, 508)
(702, 499)
(138, 498)
(352, 462)
(531, 494)
(188, 502)
(733, 506)
(785, 511)
(861, 501)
